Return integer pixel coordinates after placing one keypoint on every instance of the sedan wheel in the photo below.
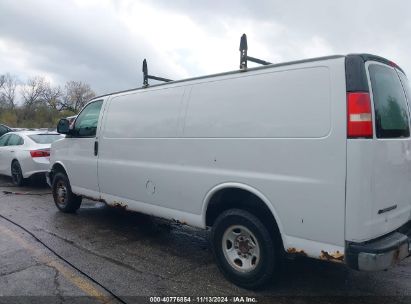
(16, 174)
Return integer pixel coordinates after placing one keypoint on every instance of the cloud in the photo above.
(67, 42)
(321, 26)
(104, 42)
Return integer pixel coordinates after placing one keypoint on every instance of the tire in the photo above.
(258, 260)
(16, 174)
(65, 200)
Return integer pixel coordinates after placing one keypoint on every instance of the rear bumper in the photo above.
(381, 253)
(34, 166)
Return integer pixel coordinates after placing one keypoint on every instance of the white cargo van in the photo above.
(307, 158)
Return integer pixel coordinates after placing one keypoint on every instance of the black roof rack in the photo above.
(146, 77)
(227, 73)
(244, 57)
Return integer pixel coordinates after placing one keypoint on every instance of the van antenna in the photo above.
(244, 57)
(146, 77)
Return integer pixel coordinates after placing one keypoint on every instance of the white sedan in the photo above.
(25, 153)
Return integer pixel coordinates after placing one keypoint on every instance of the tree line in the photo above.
(37, 103)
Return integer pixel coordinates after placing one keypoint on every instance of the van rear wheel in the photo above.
(65, 200)
(244, 249)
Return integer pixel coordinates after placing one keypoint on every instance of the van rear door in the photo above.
(391, 177)
(378, 183)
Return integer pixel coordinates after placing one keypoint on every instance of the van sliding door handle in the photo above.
(95, 148)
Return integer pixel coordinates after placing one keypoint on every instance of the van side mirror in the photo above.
(63, 126)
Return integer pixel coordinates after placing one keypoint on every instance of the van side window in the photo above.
(86, 122)
(391, 115)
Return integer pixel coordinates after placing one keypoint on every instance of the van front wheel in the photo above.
(244, 249)
(65, 200)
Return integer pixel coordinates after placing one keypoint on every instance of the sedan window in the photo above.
(45, 138)
(15, 140)
(3, 130)
(3, 140)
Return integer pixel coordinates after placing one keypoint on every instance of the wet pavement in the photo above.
(135, 255)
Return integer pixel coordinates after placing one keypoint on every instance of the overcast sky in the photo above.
(103, 42)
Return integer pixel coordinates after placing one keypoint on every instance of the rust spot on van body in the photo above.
(120, 205)
(296, 251)
(94, 199)
(178, 222)
(333, 257)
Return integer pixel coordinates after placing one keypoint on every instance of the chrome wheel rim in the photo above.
(241, 248)
(61, 194)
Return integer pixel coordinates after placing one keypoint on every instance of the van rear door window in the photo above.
(406, 85)
(391, 115)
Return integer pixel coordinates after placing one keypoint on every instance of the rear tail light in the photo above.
(40, 153)
(359, 117)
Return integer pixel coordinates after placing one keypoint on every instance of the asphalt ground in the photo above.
(137, 257)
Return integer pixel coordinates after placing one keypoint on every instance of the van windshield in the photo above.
(390, 105)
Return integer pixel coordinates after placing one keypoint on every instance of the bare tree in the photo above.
(77, 94)
(52, 96)
(2, 80)
(32, 92)
(8, 90)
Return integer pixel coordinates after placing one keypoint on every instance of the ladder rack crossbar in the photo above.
(158, 78)
(259, 61)
(146, 76)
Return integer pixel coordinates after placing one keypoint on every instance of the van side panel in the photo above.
(135, 149)
(280, 131)
(280, 104)
(145, 114)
